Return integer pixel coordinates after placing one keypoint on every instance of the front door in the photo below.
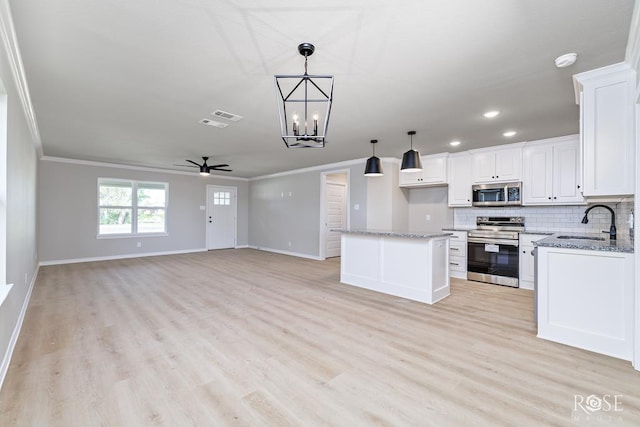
(221, 217)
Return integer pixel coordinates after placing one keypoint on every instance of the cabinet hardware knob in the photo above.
(454, 263)
(554, 197)
(493, 177)
(578, 186)
(549, 197)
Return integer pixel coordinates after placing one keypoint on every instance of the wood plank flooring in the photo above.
(247, 338)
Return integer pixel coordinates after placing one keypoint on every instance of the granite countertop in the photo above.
(622, 244)
(391, 233)
(458, 228)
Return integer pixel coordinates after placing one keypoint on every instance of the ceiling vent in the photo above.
(225, 115)
(209, 122)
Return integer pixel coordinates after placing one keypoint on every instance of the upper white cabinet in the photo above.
(434, 172)
(551, 172)
(497, 165)
(606, 98)
(460, 179)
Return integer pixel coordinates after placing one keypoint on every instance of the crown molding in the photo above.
(632, 56)
(132, 167)
(8, 35)
(326, 167)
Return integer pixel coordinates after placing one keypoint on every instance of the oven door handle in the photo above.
(493, 241)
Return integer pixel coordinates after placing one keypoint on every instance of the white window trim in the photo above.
(134, 209)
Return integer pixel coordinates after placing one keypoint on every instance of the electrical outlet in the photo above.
(289, 244)
(427, 217)
(139, 244)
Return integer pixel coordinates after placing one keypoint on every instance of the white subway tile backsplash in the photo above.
(554, 218)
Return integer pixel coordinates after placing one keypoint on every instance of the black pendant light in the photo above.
(411, 159)
(374, 166)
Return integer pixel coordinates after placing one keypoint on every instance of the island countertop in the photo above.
(391, 233)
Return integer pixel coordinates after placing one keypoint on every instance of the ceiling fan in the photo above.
(206, 169)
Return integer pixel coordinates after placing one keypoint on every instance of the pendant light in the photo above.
(304, 105)
(411, 159)
(374, 167)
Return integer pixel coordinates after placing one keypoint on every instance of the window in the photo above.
(131, 207)
(222, 198)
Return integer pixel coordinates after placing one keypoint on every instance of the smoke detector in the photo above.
(566, 60)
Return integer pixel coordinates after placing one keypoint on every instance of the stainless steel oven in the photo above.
(492, 250)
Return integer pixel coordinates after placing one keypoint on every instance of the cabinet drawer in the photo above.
(457, 263)
(458, 248)
(458, 236)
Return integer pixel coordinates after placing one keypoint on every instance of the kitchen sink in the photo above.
(580, 237)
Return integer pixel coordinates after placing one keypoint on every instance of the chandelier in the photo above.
(304, 105)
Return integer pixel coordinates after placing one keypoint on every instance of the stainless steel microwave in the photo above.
(499, 194)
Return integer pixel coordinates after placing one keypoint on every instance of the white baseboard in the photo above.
(6, 360)
(241, 247)
(112, 257)
(296, 254)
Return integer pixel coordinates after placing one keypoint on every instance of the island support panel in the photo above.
(412, 268)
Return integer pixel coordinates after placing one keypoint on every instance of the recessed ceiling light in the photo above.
(454, 143)
(510, 133)
(566, 60)
(491, 114)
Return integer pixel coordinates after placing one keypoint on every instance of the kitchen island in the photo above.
(408, 265)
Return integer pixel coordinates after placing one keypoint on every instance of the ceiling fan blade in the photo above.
(187, 166)
(219, 166)
(219, 169)
(191, 161)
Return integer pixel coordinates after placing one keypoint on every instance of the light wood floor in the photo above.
(243, 337)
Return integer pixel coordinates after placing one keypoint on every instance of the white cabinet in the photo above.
(460, 180)
(607, 129)
(434, 172)
(499, 165)
(551, 172)
(585, 299)
(458, 254)
(527, 265)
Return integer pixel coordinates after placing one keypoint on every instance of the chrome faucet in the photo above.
(612, 230)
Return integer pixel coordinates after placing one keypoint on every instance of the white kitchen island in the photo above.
(408, 265)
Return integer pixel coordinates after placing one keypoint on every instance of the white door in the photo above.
(221, 217)
(335, 216)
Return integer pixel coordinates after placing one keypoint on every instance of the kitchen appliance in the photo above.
(499, 194)
(492, 250)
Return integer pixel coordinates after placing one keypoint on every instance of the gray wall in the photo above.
(21, 254)
(286, 208)
(68, 212)
(387, 204)
(430, 201)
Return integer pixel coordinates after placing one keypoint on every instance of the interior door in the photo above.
(335, 216)
(221, 217)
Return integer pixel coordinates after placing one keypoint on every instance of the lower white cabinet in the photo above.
(527, 265)
(458, 254)
(586, 299)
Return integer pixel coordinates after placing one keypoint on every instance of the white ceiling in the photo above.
(127, 81)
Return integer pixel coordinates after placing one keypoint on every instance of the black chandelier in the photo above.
(304, 105)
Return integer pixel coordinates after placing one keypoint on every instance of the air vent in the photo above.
(209, 122)
(225, 115)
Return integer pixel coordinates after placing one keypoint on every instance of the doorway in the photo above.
(335, 212)
(221, 217)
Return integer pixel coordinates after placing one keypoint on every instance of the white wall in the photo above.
(431, 201)
(21, 255)
(68, 212)
(286, 208)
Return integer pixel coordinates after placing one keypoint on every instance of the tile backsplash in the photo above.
(555, 218)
